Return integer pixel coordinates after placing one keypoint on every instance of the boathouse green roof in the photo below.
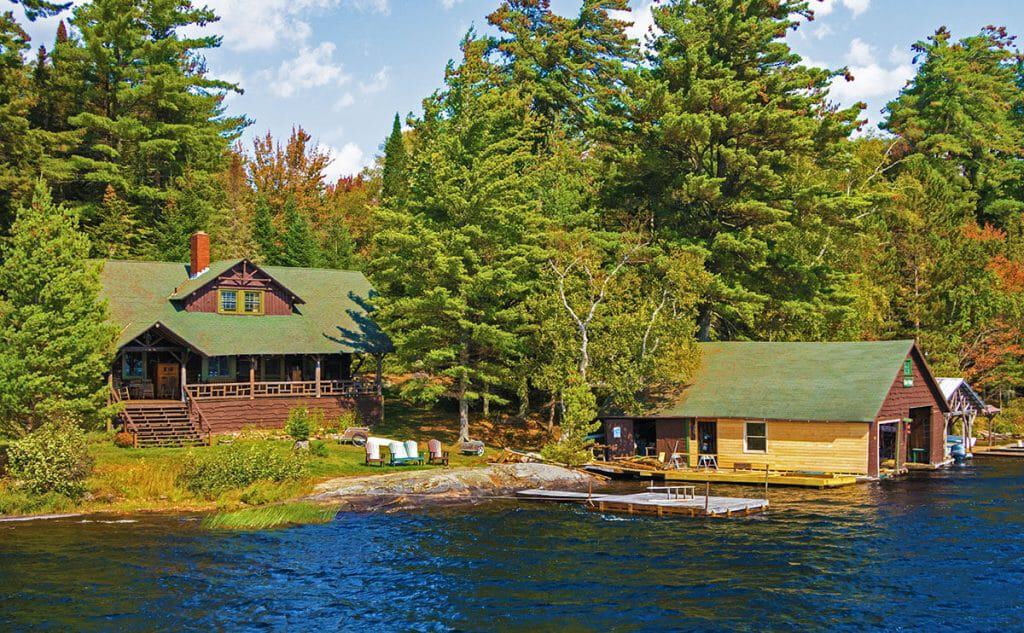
(788, 381)
(334, 318)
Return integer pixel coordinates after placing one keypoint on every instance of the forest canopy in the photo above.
(571, 210)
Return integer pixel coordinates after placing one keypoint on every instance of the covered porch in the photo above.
(158, 366)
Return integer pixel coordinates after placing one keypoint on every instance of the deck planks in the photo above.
(652, 503)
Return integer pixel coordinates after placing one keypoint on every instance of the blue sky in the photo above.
(342, 68)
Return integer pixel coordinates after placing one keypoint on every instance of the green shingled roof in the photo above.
(788, 381)
(334, 318)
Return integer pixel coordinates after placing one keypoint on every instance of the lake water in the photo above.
(939, 551)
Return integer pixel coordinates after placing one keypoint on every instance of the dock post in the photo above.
(707, 496)
(766, 482)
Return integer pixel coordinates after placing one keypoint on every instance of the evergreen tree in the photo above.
(195, 200)
(298, 244)
(726, 129)
(395, 178)
(150, 113)
(115, 234)
(455, 264)
(55, 339)
(339, 248)
(265, 234)
(19, 151)
(41, 8)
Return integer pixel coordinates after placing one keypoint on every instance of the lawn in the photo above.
(126, 480)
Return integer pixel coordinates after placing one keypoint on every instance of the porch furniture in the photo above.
(676, 461)
(919, 455)
(675, 492)
(400, 455)
(436, 454)
(707, 461)
(472, 447)
(355, 435)
(373, 454)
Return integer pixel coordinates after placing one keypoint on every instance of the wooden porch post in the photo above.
(184, 381)
(110, 399)
(317, 376)
(252, 377)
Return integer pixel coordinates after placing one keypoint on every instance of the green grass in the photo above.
(267, 517)
(129, 480)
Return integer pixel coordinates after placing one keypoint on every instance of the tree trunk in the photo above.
(704, 322)
(487, 401)
(524, 398)
(463, 418)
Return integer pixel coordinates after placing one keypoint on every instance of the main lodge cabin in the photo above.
(212, 347)
(853, 408)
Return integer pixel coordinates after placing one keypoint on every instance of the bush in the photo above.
(213, 472)
(299, 424)
(124, 440)
(53, 458)
(1011, 418)
(578, 421)
(318, 449)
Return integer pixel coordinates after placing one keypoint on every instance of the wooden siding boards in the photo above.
(925, 392)
(227, 415)
(621, 446)
(671, 436)
(839, 447)
(276, 299)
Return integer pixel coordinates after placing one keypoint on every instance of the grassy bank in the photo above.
(127, 480)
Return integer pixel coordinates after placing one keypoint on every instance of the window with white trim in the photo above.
(755, 437)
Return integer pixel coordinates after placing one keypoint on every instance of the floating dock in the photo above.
(728, 476)
(654, 503)
(999, 451)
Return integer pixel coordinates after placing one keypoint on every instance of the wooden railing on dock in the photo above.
(305, 388)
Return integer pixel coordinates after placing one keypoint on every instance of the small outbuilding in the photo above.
(851, 407)
(965, 405)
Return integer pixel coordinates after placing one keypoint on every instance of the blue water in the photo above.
(941, 551)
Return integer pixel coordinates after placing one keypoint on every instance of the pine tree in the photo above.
(395, 178)
(196, 199)
(19, 149)
(265, 234)
(726, 132)
(339, 248)
(149, 112)
(298, 244)
(35, 9)
(55, 339)
(115, 235)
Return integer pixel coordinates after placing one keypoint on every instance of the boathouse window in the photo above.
(253, 302)
(227, 301)
(755, 437)
(133, 365)
(908, 373)
(273, 367)
(218, 367)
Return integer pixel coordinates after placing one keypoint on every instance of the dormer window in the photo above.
(252, 302)
(240, 301)
(227, 301)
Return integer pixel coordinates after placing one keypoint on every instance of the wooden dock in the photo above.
(728, 476)
(1016, 452)
(653, 503)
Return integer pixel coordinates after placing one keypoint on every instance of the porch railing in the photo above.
(305, 388)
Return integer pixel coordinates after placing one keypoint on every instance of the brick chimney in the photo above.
(200, 247)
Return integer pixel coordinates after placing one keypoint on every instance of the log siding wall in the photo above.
(228, 415)
(834, 447)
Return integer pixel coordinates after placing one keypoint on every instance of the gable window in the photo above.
(133, 365)
(908, 373)
(218, 367)
(227, 301)
(253, 302)
(755, 437)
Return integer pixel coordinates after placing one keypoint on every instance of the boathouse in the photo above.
(211, 347)
(854, 408)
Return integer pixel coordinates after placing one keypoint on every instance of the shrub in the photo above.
(347, 419)
(212, 472)
(1011, 418)
(318, 449)
(578, 421)
(124, 440)
(298, 424)
(53, 458)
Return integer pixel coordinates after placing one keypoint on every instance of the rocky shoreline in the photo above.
(423, 488)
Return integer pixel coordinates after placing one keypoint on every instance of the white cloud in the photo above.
(448, 4)
(312, 67)
(378, 83)
(826, 6)
(347, 161)
(249, 25)
(871, 78)
(345, 101)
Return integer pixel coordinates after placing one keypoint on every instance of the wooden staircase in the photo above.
(161, 423)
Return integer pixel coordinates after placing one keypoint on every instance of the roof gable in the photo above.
(219, 270)
(789, 381)
(336, 317)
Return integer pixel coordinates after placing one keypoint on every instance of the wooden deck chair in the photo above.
(373, 454)
(436, 455)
